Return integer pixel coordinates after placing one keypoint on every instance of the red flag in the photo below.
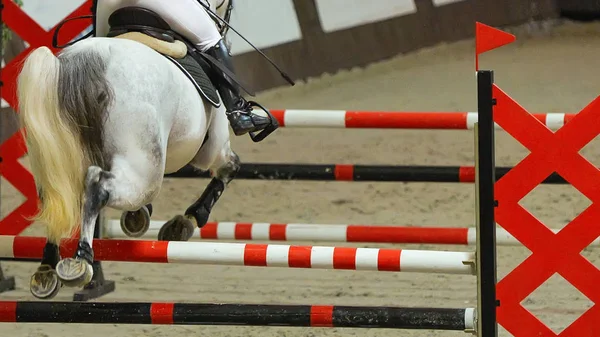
(488, 38)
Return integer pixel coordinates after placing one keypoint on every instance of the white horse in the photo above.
(104, 122)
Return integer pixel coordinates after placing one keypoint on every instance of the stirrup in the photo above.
(257, 136)
(273, 125)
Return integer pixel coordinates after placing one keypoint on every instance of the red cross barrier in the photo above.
(551, 253)
(551, 152)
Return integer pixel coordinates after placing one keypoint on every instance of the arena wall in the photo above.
(580, 9)
(329, 35)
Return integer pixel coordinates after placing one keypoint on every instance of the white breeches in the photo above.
(186, 17)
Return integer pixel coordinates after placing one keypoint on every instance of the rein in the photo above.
(223, 29)
(55, 35)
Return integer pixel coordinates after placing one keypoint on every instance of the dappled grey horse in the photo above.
(104, 122)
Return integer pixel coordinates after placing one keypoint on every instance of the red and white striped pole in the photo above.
(257, 255)
(327, 233)
(396, 119)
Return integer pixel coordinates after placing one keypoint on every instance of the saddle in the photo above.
(147, 27)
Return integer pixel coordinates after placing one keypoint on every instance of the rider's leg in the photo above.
(239, 112)
(190, 19)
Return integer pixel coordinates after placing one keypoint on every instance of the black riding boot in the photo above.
(238, 110)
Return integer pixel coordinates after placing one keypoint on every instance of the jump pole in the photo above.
(396, 119)
(351, 172)
(255, 255)
(294, 232)
(239, 314)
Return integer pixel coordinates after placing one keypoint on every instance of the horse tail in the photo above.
(62, 103)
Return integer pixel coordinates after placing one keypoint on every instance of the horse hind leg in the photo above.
(78, 271)
(53, 273)
(122, 188)
(223, 170)
(44, 283)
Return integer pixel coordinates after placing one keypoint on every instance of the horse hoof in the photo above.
(74, 272)
(44, 283)
(179, 228)
(135, 224)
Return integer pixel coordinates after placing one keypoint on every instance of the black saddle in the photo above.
(201, 68)
(142, 20)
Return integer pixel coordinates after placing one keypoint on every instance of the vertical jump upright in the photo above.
(487, 38)
(486, 225)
